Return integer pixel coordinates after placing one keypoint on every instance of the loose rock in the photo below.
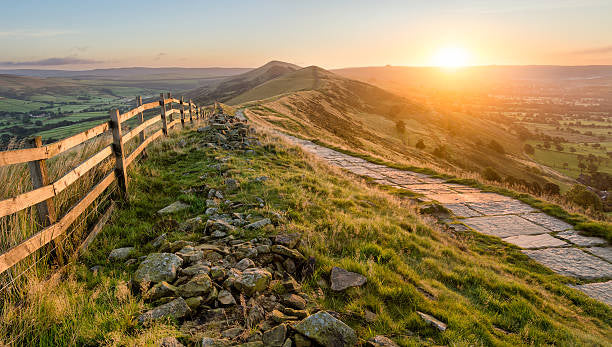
(327, 330)
(342, 279)
(176, 308)
(158, 267)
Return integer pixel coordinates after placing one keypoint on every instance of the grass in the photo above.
(488, 292)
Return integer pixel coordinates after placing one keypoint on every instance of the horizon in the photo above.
(346, 34)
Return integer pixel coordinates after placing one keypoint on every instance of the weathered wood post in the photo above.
(169, 96)
(119, 153)
(162, 105)
(190, 112)
(40, 178)
(140, 118)
(182, 112)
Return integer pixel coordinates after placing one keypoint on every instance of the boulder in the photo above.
(287, 252)
(120, 253)
(199, 285)
(275, 337)
(252, 280)
(342, 279)
(195, 269)
(158, 267)
(210, 342)
(327, 330)
(258, 224)
(168, 342)
(173, 208)
(226, 298)
(432, 321)
(176, 308)
(287, 240)
(160, 290)
(244, 264)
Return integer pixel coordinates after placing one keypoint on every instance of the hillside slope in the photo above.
(227, 88)
(320, 105)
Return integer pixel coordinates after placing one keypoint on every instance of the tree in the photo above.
(593, 167)
(585, 198)
(400, 126)
(420, 144)
(491, 175)
(529, 149)
(551, 188)
(581, 166)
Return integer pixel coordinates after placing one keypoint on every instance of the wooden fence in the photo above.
(44, 191)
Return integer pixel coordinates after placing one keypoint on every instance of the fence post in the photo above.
(162, 105)
(119, 154)
(182, 113)
(169, 96)
(38, 174)
(140, 118)
(190, 112)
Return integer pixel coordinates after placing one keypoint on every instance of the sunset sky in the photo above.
(95, 34)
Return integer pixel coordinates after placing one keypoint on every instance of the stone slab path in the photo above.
(546, 239)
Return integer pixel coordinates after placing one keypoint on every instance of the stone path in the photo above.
(546, 239)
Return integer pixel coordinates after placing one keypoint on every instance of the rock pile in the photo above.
(229, 132)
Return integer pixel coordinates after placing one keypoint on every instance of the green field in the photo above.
(556, 159)
(15, 105)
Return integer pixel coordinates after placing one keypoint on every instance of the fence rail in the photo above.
(44, 192)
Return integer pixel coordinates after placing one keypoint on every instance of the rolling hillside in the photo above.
(317, 104)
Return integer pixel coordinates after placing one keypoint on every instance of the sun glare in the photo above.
(451, 57)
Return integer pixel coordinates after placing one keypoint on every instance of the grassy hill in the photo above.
(317, 104)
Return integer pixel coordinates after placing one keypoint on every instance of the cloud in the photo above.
(34, 33)
(51, 62)
(160, 55)
(595, 50)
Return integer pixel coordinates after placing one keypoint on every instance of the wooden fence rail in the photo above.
(44, 192)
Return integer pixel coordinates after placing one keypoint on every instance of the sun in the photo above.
(451, 57)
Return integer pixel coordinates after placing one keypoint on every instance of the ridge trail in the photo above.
(546, 239)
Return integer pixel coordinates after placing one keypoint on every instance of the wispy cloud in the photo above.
(51, 62)
(595, 50)
(19, 33)
(160, 55)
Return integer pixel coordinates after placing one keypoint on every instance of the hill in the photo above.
(227, 88)
(130, 73)
(317, 104)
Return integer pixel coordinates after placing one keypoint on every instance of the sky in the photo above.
(84, 34)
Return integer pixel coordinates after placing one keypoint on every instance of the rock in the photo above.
(301, 341)
(226, 298)
(158, 267)
(221, 225)
(211, 210)
(301, 314)
(275, 337)
(263, 249)
(120, 253)
(327, 330)
(381, 341)
(291, 285)
(244, 264)
(289, 265)
(190, 255)
(256, 314)
(287, 240)
(169, 342)
(370, 316)
(210, 342)
(96, 269)
(178, 245)
(217, 234)
(231, 184)
(431, 320)
(342, 279)
(288, 343)
(194, 302)
(195, 269)
(287, 252)
(231, 332)
(280, 317)
(258, 224)
(217, 273)
(173, 208)
(160, 290)
(159, 240)
(176, 308)
(294, 301)
(252, 280)
(261, 179)
(199, 285)
(211, 203)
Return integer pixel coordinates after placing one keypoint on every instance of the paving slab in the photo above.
(504, 226)
(571, 262)
(549, 222)
(468, 197)
(598, 291)
(602, 252)
(535, 241)
(461, 210)
(493, 208)
(573, 237)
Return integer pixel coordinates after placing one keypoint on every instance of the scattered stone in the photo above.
(432, 321)
(370, 316)
(327, 330)
(174, 207)
(96, 269)
(280, 317)
(169, 342)
(194, 302)
(381, 341)
(295, 301)
(195, 269)
(158, 267)
(199, 285)
(252, 280)
(120, 253)
(159, 240)
(287, 252)
(287, 240)
(275, 337)
(289, 265)
(160, 290)
(231, 184)
(176, 308)
(226, 298)
(210, 342)
(217, 234)
(231, 332)
(258, 224)
(342, 279)
(244, 264)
